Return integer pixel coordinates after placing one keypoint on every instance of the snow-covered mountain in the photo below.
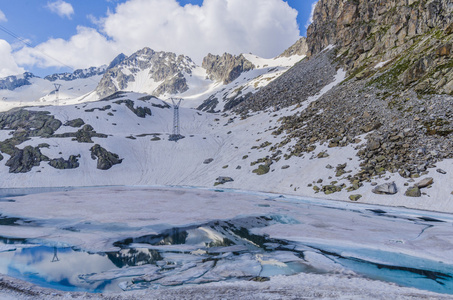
(220, 83)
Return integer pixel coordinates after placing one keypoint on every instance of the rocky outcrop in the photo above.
(31, 123)
(82, 135)
(403, 43)
(139, 111)
(105, 158)
(23, 160)
(226, 68)
(62, 164)
(75, 123)
(165, 68)
(299, 48)
(14, 82)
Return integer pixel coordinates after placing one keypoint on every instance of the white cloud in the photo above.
(8, 65)
(61, 8)
(2, 17)
(263, 27)
(310, 19)
(85, 49)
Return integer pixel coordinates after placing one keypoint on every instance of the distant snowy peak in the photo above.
(77, 74)
(149, 72)
(226, 68)
(13, 82)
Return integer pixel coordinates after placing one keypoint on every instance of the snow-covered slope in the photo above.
(30, 90)
(214, 146)
(214, 96)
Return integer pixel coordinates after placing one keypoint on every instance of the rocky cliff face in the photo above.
(299, 48)
(411, 39)
(226, 68)
(14, 82)
(164, 68)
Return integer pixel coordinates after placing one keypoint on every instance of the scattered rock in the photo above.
(386, 188)
(355, 197)
(413, 191)
(323, 154)
(223, 179)
(441, 171)
(425, 182)
(262, 169)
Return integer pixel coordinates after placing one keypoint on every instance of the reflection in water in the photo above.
(209, 252)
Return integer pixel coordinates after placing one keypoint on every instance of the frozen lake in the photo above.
(128, 238)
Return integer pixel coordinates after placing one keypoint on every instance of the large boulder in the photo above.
(424, 182)
(413, 191)
(386, 189)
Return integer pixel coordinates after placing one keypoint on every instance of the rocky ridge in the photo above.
(77, 74)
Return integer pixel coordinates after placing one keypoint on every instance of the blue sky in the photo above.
(81, 33)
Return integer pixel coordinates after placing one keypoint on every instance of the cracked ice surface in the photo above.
(306, 235)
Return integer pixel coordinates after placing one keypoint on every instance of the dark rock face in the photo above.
(23, 160)
(226, 68)
(209, 105)
(14, 82)
(61, 163)
(105, 158)
(415, 36)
